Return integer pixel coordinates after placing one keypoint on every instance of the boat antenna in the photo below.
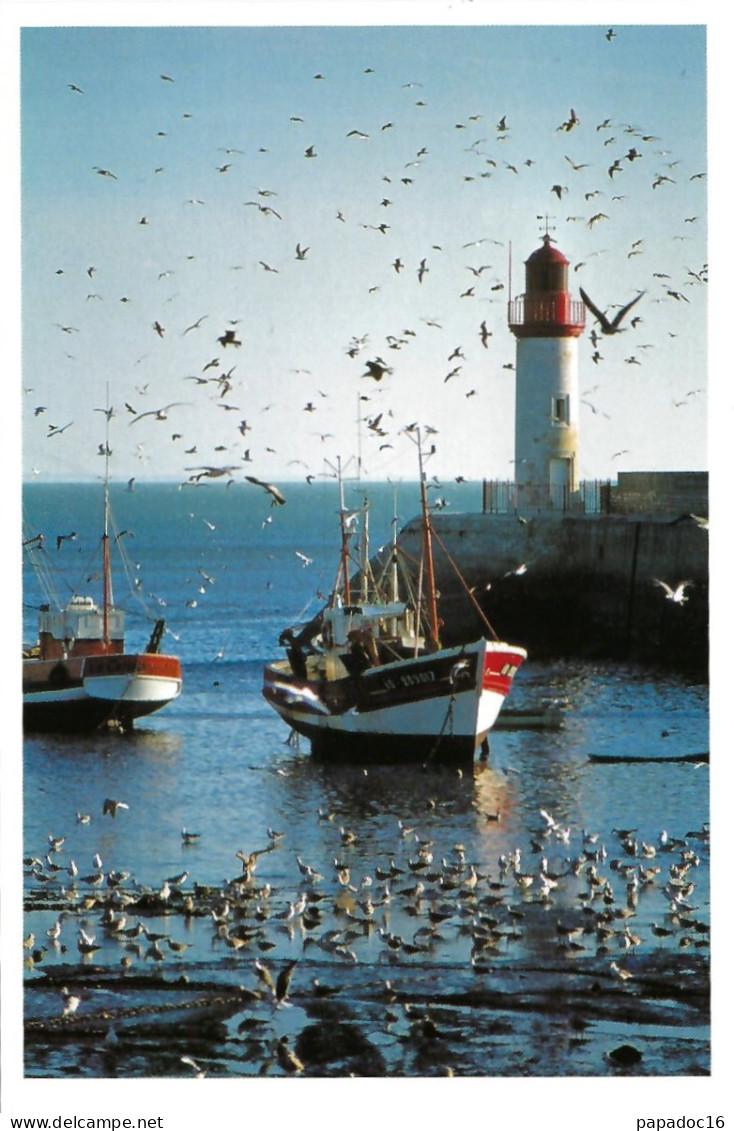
(343, 570)
(433, 622)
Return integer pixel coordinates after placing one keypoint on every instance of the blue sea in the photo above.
(410, 967)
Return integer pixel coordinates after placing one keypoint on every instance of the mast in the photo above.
(432, 606)
(394, 593)
(365, 555)
(344, 563)
(106, 578)
(509, 272)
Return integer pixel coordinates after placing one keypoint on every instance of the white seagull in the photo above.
(678, 595)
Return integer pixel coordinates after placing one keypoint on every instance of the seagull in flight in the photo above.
(377, 369)
(64, 538)
(607, 326)
(158, 413)
(210, 472)
(278, 497)
(678, 595)
(54, 430)
(195, 325)
(111, 806)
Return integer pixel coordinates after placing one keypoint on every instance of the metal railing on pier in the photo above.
(503, 496)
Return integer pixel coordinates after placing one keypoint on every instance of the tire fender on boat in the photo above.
(59, 676)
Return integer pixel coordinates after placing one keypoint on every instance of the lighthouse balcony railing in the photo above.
(557, 309)
(502, 496)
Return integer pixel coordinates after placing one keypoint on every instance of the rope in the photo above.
(467, 590)
(439, 736)
(46, 1024)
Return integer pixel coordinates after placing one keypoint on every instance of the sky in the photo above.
(181, 248)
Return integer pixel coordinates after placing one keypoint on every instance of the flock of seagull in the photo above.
(569, 894)
(221, 385)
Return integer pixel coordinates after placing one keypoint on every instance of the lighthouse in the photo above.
(546, 322)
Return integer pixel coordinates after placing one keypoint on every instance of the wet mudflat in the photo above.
(505, 1019)
(394, 949)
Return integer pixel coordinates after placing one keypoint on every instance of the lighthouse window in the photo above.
(560, 410)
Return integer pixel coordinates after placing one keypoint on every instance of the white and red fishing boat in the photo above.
(78, 676)
(368, 679)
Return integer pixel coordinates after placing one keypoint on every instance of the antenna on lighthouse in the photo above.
(509, 272)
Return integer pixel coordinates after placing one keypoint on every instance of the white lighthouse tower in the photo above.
(547, 323)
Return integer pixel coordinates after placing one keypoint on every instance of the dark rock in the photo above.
(625, 1055)
(322, 1046)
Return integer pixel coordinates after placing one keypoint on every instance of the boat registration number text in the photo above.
(410, 679)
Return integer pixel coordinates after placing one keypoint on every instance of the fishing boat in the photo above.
(368, 679)
(78, 677)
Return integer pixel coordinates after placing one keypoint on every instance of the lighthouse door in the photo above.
(559, 483)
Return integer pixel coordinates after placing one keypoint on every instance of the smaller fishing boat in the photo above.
(368, 678)
(78, 677)
(547, 715)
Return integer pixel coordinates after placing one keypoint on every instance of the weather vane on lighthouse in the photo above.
(548, 226)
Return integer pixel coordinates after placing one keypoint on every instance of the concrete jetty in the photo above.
(588, 587)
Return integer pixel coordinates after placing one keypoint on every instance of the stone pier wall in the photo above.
(588, 588)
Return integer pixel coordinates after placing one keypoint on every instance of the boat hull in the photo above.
(332, 745)
(435, 707)
(89, 693)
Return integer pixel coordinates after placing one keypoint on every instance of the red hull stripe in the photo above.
(53, 675)
(144, 663)
(500, 669)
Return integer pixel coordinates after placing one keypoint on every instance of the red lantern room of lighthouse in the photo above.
(546, 322)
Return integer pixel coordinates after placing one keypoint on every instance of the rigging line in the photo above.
(467, 590)
(127, 566)
(49, 575)
(419, 612)
(304, 610)
(41, 566)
